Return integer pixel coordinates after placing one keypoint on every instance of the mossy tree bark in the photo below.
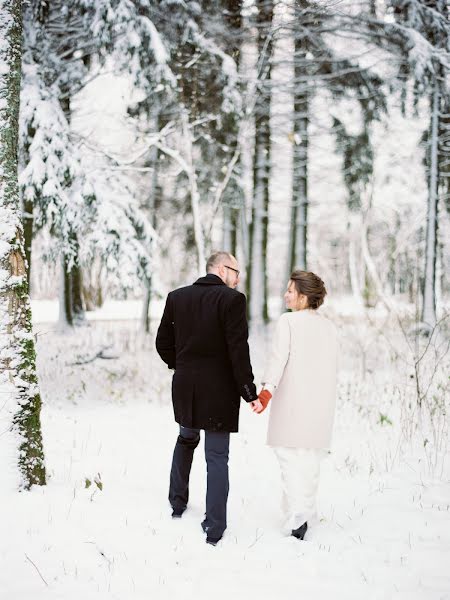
(17, 352)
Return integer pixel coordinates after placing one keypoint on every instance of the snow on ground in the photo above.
(383, 529)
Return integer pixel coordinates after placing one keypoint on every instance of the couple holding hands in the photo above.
(203, 336)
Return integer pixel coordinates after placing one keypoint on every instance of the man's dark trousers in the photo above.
(217, 444)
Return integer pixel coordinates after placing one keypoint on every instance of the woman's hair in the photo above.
(311, 286)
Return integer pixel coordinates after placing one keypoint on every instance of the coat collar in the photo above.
(209, 279)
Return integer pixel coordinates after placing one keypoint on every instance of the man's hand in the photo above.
(256, 406)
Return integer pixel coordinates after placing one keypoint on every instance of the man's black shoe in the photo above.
(300, 532)
(213, 541)
(177, 513)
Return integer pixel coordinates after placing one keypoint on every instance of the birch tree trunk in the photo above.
(429, 291)
(352, 262)
(151, 208)
(372, 270)
(195, 196)
(227, 229)
(17, 353)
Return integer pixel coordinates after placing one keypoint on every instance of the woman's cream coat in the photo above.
(302, 368)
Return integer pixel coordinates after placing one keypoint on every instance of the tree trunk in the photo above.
(151, 210)
(258, 279)
(17, 352)
(429, 290)
(77, 298)
(28, 221)
(145, 319)
(92, 285)
(233, 18)
(76, 286)
(195, 196)
(299, 213)
(65, 295)
(234, 230)
(227, 228)
(258, 234)
(371, 270)
(353, 267)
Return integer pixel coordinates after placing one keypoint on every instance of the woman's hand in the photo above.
(264, 399)
(258, 406)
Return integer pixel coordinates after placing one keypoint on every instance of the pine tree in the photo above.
(62, 40)
(426, 43)
(192, 79)
(54, 188)
(319, 69)
(419, 34)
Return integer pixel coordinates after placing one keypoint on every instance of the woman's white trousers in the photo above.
(300, 470)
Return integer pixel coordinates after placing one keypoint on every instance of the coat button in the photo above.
(219, 425)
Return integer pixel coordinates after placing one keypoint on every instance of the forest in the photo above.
(139, 136)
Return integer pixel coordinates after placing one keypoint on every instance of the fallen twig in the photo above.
(100, 354)
(257, 538)
(40, 574)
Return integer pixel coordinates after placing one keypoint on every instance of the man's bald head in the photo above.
(224, 265)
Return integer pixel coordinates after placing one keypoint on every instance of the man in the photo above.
(203, 336)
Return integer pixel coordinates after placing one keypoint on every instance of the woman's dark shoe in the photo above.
(177, 513)
(299, 533)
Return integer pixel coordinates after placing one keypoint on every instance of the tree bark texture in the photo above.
(18, 359)
(299, 213)
(258, 234)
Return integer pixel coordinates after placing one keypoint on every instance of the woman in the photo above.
(301, 375)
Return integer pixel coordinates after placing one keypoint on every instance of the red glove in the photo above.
(264, 397)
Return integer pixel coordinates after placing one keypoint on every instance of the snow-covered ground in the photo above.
(384, 514)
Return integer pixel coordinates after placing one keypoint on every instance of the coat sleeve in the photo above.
(236, 334)
(279, 354)
(165, 338)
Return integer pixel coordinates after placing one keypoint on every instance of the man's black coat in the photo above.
(203, 336)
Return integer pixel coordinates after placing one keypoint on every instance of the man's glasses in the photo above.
(235, 270)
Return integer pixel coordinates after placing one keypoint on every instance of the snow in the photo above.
(384, 495)
(46, 311)
(383, 511)
(157, 45)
